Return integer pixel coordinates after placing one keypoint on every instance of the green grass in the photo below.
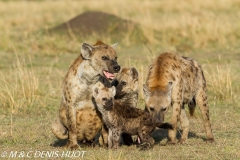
(33, 65)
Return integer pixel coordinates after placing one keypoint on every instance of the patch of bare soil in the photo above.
(101, 24)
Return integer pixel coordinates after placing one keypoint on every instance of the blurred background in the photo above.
(39, 40)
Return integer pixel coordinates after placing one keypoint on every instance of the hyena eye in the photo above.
(163, 109)
(151, 109)
(104, 99)
(104, 58)
(124, 83)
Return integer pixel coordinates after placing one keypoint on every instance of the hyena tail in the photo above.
(192, 106)
(164, 125)
(59, 130)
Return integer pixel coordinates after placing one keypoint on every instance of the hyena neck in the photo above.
(101, 108)
(86, 72)
(105, 114)
(129, 99)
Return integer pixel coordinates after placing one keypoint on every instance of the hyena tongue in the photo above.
(138, 140)
(108, 75)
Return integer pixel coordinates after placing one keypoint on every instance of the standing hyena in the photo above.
(175, 80)
(94, 62)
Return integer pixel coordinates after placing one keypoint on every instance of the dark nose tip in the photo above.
(116, 68)
(109, 104)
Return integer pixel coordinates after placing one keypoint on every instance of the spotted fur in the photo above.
(176, 80)
(122, 118)
(82, 75)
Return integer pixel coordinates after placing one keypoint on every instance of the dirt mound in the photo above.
(100, 24)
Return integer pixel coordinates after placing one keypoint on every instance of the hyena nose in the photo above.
(116, 68)
(109, 105)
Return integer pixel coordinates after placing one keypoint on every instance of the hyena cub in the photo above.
(176, 80)
(126, 83)
(121, 118)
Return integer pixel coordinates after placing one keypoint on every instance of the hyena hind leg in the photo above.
(201, 99)
(59, 130)
(103, 138)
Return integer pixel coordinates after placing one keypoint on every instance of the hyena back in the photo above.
(175, 80)
(121, 118)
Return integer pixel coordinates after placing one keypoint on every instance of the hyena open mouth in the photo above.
(108, 75)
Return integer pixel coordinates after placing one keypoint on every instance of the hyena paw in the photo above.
(71, 146)
(182, 141)
(144, 146)
(171, 142)
(210, 140)
(74, 147)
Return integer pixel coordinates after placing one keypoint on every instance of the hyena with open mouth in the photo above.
(96, 63)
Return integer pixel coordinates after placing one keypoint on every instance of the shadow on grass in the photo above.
(62, 143)
(161, 134)
(59, 143)
(158, 135)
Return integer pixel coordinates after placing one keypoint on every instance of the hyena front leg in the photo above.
(201, 100)
(185, 125)
(176, 104)
(110, 138)
(116, 137)
(103, 139)
(72, 129)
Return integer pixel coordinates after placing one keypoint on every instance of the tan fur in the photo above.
(120, 117)
(176, 80)
(88, 124)
(82, 75)
(126, 83)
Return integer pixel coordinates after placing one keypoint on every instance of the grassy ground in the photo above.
(33, 64)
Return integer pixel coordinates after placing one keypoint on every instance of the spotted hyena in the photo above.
(94, 63)
(127, 87)
(176, 80)
(121, 118)
(88, 120)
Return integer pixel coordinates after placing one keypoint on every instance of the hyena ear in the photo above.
(146, 91)
(95, 92)
(113, 90)
(115, 83)
(86, 50)
(134, 73)
(114, 46)
(169, 88)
